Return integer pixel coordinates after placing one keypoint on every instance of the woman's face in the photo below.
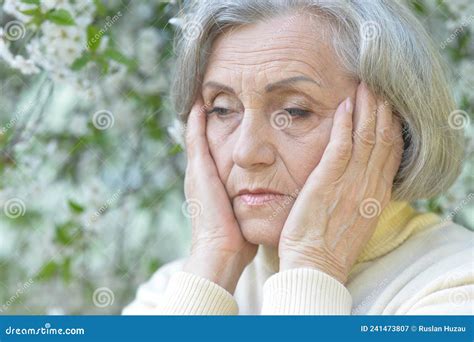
(273, 88)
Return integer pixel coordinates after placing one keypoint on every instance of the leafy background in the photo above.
(91, 166)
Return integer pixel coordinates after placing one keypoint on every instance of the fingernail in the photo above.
(348, 105)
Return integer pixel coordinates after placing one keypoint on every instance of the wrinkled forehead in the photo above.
(285, 46)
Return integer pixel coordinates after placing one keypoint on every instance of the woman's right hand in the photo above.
(219, 252)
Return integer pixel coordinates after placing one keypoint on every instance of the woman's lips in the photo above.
(260, 199)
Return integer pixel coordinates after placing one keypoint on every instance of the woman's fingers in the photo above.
(196, 144)
(385, 135)
(365, 119)
(377, 138)
(338, 151)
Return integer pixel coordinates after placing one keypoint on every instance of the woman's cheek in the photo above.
(216, 133)
(220, 130)
(219, 138)
(305, 150)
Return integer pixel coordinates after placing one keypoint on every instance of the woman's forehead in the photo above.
(260, 53)
(266, 40)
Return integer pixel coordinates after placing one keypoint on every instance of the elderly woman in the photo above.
(310, 126)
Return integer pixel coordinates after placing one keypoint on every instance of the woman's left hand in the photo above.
(337, 210)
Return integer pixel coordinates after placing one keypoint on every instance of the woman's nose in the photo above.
(254, 145)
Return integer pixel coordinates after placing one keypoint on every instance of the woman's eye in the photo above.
(219, 111)
(297, 112)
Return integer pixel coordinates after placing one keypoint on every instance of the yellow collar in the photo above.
(397, 222)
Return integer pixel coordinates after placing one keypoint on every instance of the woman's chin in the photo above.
(261, 231)
(261, 224)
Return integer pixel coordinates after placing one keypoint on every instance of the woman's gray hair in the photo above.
(379, 42)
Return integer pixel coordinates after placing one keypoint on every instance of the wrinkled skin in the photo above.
(320, 137)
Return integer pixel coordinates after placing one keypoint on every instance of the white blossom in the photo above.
(14, 8)
(26, 66)
(178, 22)
(148, 49)
(177, 132)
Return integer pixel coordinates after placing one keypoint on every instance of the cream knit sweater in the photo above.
(414, 264)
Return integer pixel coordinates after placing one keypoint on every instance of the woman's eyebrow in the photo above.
(289, 81)
(269, 87)
(219, 86)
